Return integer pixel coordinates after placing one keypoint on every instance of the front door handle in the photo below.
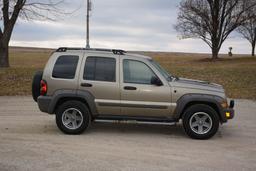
(86, 85)
(130, 88)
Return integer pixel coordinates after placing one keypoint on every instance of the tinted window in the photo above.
(100, 69)
(137, 72)
(65, 67)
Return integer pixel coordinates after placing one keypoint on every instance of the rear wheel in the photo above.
(73, 117)
(200, 121)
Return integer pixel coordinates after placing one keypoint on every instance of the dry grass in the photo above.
(17, 79)
(236, 74)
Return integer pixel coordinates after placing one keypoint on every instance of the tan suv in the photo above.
(85, 85)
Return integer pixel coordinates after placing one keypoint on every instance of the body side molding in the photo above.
(135, 104)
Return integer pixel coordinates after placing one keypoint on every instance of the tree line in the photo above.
(210, 20)
(214, 20)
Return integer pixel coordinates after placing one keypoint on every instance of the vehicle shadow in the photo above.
(133, 128)
(176, 130)
(50, 128)
(114, 129)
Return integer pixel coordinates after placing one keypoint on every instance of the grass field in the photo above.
(236, 74)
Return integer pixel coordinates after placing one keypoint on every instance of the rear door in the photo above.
(100, 76)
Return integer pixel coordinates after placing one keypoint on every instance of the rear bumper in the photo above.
(44, 103)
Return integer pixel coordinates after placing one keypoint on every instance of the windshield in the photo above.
(161, 70)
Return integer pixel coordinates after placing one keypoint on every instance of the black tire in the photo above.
(36, 84)
(78, 106)
(192, 111)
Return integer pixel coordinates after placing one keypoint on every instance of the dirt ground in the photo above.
(30, 140)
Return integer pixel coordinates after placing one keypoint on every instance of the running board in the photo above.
(135, 120)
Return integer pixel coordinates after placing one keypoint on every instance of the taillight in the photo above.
(43, 89)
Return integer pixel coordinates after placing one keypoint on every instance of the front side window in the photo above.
(137, 72)
(65, 67)
(100, 69)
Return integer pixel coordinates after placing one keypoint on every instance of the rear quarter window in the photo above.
(65, 67)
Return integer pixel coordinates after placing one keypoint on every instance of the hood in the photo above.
(197, 84)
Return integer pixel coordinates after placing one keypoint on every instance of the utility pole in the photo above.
(87, 24)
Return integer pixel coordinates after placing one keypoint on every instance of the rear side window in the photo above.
(100, 69)
(65, 67)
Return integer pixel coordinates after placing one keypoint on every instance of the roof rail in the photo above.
(118, 51)
(114, 51)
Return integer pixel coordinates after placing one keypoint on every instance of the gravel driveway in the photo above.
(30, 140)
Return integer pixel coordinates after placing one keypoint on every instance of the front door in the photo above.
(138, 96)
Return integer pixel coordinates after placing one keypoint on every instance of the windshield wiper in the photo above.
(174, 78)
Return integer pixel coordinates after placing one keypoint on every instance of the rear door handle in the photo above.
(130, 88)
(86, 85)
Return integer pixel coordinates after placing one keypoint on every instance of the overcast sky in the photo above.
(131, 25)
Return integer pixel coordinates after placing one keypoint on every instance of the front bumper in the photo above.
(230, 112)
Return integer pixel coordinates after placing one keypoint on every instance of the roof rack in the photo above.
(114, 51)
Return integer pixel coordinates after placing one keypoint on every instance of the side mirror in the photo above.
(156, 81)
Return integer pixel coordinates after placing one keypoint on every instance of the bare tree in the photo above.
(212, 20)
(26, 9)
(248, 29)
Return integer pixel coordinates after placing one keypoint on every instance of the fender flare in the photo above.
(80, 94)
(183, 101)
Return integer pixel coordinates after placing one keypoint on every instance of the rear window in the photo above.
(100, 69)
(65, 67)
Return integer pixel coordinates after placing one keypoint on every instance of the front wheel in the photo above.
(73, 117)
(200, 121)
